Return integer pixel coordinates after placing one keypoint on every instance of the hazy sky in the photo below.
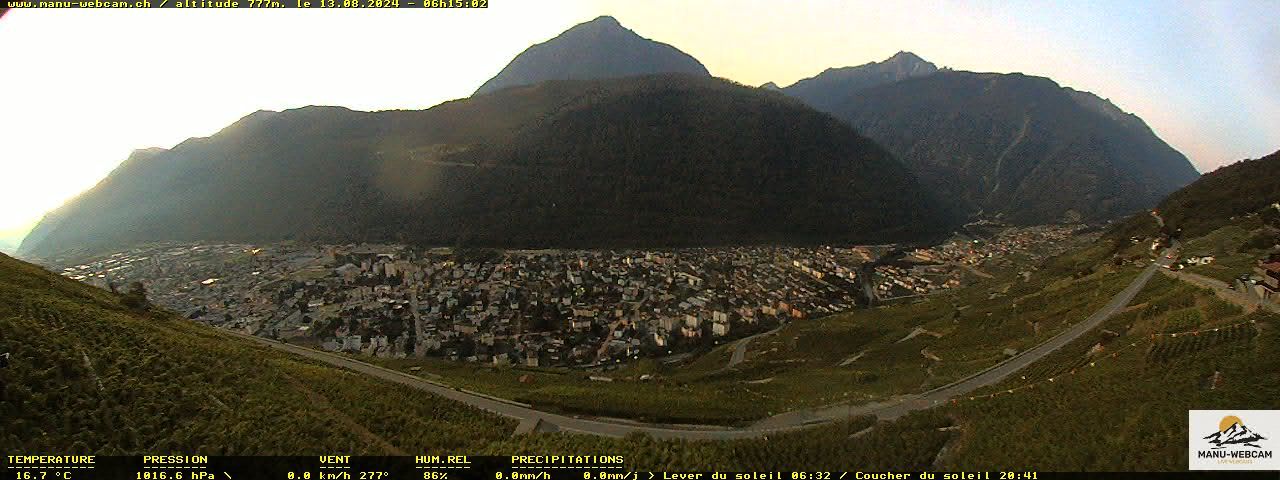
(83, 88)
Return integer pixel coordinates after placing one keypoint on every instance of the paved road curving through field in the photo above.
(782, 422)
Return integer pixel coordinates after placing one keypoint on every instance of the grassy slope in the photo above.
(88, 376)
(1127, 412)
(1236, 248)
(172, 386)
(804, 365)
(911, 444)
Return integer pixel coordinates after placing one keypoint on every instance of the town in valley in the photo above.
(543, 307)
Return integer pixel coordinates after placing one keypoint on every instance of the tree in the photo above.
(136, 297)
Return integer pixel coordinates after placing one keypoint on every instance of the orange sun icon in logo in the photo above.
(1228, 421)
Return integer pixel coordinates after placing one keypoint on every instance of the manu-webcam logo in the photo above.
(1233, 439)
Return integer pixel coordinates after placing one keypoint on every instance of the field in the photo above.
(909, 444)
(1118, 398)
(857, 357)
(1120, 406)
(90, 376)
(1236, 248)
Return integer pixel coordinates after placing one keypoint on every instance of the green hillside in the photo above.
(91, 376)
(1127, 412)
(1229, 213)
(87, 375)
(1220, 197)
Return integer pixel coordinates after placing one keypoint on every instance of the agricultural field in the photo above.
(912, 443)
(1236, 249)
(1117, 399)
(88, 375)
(860, 356)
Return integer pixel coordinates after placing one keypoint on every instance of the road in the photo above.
(972, 269)
(1244, 300)
(782, 422)
(739, 353)
(740, 348)
(941, 395)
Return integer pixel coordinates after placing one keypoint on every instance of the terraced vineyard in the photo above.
(1120, 395)
(89, 376)
(858, 356)
(909, 444)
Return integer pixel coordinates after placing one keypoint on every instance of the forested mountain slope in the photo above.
(1011, 146)
(657, 160)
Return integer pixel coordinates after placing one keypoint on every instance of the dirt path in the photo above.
(972, 269)
(740, 348)
(1245, 301)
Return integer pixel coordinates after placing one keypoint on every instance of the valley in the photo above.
(596, 350)
(592, 244)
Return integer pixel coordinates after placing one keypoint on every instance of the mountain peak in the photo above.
(905, 56)
(605, 20)
(835, 84)
(908, 64)
(597, 49)
(601, 25)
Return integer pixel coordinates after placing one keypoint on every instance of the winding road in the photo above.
(739, 353)
(545, 421)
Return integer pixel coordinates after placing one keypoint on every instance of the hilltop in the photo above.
(1216, 199)
(833, 86)
(601, 48)
(656, 160)
(1231, 214)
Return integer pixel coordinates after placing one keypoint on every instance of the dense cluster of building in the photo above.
(929, 270)
(547, 307)
(544, 307)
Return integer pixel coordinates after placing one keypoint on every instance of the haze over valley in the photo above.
(669, 243)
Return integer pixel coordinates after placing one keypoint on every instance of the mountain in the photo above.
(1242, 188)
(8, 245)
(601, 48)
(643, 161)
(833, 86)
(1236, 434)
(1020, 148)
